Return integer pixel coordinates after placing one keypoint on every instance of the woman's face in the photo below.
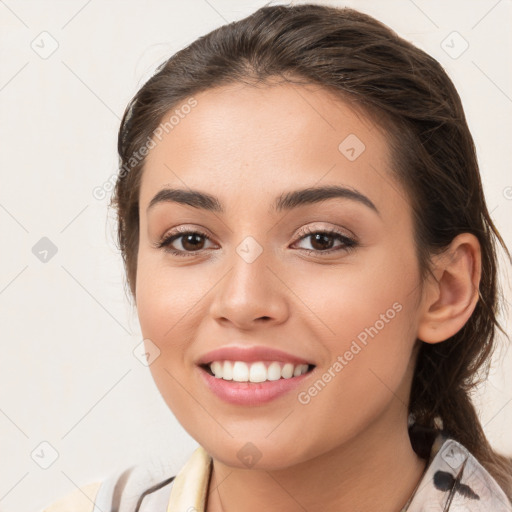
(281, 279)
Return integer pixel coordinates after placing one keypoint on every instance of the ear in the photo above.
(451, 295)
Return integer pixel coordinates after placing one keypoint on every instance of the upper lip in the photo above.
(249, 354)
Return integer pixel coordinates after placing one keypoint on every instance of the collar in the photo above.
(188, 493)
(456, 481)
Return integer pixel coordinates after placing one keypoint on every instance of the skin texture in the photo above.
(348, 448)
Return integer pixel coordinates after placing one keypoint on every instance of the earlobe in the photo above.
(450, 298)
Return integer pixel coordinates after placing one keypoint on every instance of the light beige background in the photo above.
(68, 373)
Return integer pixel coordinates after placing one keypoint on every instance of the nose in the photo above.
(250, 293)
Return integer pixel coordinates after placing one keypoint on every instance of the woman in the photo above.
(306, 238)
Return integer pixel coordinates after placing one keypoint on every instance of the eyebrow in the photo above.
(286, 201)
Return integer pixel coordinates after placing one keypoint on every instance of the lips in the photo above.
(252, 375)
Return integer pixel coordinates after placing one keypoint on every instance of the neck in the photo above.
(377, 471)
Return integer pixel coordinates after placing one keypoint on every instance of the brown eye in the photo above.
(322, 242)
(190, 241)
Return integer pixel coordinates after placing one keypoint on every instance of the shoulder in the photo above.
(147, 484)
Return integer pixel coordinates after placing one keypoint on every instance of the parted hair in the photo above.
(399, 87)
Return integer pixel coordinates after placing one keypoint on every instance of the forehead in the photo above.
(271, 137)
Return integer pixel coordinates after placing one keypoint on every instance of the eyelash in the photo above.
(348, 243)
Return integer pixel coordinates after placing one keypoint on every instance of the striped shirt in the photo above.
(453, 481)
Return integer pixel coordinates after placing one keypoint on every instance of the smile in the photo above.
(252, 375)
(251, 384)
(258, 371)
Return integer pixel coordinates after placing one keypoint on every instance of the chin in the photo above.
(258, 454)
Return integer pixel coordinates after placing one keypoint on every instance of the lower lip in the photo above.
(251, 393)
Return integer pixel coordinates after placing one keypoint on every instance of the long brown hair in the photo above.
(398, 86)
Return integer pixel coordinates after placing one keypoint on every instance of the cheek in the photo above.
(371, 316)
(369, 368)
(171, 306)
(162, 309)
(166, 296)
(360, 300)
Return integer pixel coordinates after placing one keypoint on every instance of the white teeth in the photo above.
(227, 370)
(240, 371)
(257, 373)
(274, 371)
(217, 369)
(287, 371)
